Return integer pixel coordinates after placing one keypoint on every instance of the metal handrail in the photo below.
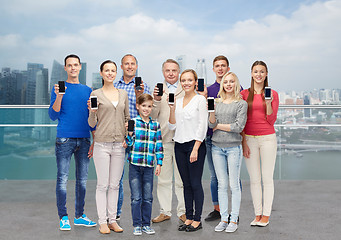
(276, 125)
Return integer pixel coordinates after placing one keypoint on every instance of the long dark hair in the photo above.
(252, 88)
(102, 66)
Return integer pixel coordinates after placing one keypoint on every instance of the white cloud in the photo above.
(297, 48)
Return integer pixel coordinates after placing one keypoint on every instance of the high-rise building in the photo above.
(32, 70)
(182, 62)
(96, 81)
(201, 69)
(57, 74)
(307, 111)
(42, 87)
(82, 74)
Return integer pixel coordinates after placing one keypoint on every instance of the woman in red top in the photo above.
(260, 143)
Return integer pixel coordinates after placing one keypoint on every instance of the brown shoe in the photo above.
(115, 227)
(162, 217)
(103, 228)
(183, 218)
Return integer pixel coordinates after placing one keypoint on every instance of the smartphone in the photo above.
(131, 124)
(201, 86)
(210, 103)
(93, 101)
(160, 87)
(267, 93)
(138, 82)
(61, 85)
(171, 98)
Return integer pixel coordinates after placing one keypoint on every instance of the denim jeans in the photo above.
(141, 188)
(214, 180)
(227, 162)
(191, 175)
(65, 147)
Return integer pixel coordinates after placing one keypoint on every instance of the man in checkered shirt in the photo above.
(127, 82)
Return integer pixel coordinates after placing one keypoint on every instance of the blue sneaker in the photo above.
(148, 230)
(64, 224)
(137, 231)
(84, 221)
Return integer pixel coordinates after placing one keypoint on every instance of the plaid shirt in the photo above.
(146, 143)
(120, 84)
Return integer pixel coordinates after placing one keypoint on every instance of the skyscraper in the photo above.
(182, 62)
(201, 69)
(96, 81)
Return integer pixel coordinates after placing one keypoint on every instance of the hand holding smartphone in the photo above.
(160, 87)
(201, 86)
(138, 82)
(171, 98)
(61, 85)
(131, 125)
(210, 103)
(93, 102)
(267, 93)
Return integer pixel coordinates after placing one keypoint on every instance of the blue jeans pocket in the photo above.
(62, 140)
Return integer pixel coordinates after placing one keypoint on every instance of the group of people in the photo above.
(169, 139)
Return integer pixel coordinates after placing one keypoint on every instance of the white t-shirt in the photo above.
(191, 121)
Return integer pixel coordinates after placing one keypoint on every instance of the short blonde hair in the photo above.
(222, 93)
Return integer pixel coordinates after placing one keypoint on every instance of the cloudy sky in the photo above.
(299, 39)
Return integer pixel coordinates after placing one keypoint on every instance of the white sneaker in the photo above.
(232, 227)
(220, 227)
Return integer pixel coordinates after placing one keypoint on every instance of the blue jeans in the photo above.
(214, 180)
(65, 147)
(227, 162)
(191, 175)
(141, 188)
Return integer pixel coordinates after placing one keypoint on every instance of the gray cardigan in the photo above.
(235, 114)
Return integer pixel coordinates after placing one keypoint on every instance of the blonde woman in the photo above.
(228, 122)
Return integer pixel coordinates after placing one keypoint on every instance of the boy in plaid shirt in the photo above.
(146, 142)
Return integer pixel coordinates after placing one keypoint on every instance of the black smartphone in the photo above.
(267, 93)
(171, 98)
(61, 85)
(160, 87)
(210, 103)
(138, 82)
(131, 124)
(201, 86)
(93, 101)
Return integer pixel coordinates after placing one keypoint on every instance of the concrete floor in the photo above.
(301, 210)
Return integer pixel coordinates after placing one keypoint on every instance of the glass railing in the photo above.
(309, 143)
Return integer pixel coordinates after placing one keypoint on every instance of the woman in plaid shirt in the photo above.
(146, 142)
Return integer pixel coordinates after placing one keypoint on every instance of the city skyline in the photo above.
(297, 39)
(20, 86)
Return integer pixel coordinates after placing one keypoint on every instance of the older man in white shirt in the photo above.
(171, 71)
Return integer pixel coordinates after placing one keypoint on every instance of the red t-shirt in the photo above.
(258, 123)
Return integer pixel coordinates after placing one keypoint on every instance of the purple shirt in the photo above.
(212, 91)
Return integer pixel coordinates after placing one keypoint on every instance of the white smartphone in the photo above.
(93, 101)
(171, 98)
(267, 93)
(210, 103)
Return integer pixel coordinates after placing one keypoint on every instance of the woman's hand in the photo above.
(89, 107)
(194, 156)
(124, 144)
(246, 150)
(91, 150)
